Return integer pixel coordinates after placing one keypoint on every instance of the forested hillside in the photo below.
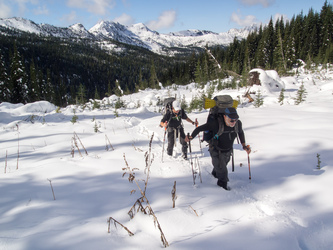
(67, 71)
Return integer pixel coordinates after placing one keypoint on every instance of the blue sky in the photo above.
(163, 16)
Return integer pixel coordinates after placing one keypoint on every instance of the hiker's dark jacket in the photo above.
(226, 140)
(175, 120)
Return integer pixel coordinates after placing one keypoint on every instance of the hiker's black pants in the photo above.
(172, 134)
(220, 161)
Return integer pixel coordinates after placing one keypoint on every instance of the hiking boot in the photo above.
(185, 156)
(223, 185)
(214, 174)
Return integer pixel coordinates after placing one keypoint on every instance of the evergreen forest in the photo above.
(72, 71)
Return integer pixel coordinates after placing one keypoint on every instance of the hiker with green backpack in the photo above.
(224, 126)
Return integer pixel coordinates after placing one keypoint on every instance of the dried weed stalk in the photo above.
(6, 162)
(115, 222)
(149, 158)
(106, 143)
(18, 146)
(194, 211)
(52, 189)
(74, 143)
(137, 207)
(173, 195)
(148, 208)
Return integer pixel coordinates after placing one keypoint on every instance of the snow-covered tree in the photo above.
(4, 88)
(18, 78)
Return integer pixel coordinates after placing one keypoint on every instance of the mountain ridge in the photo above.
(137, 34)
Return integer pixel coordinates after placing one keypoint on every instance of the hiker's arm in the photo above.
(242, 138)
(190, 121)
(164, 121)
(196, 131)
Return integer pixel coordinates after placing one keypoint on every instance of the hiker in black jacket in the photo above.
(220, 147)
(172, 121)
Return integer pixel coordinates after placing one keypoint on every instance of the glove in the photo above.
(247, 148)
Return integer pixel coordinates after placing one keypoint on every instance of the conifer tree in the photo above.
(34, 86)
(81, 94)
(47, 88)
(18, 79)
(279, 58)
(153, 80)
(117, 89)
(199, 73)
(109, 93)
(290, 51)
(326, 33)
(4, 86)
(97, 96)
(301, 95)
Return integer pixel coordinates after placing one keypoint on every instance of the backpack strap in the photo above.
(221, 127)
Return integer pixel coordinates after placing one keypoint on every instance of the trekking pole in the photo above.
(196, 122)
(232, 161)
(163, 142)
(248, 161)
(191, 161)
(199, 169)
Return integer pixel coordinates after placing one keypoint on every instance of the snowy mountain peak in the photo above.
(107, 28)
(80, 30)
(192, 32)
(19, 23)
(137, 34)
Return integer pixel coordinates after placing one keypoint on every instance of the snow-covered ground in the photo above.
(286, 205)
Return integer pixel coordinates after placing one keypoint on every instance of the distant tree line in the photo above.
(279, 46)
(69, 71)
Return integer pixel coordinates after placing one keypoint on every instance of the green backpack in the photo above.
(217, 107)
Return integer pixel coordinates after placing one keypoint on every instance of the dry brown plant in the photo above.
(194, 211)
(148, 209)
(173, 195)
(76, 138)
(6, 162)
(115, 222)
(52, 189)
(107, 143)
(18, 146)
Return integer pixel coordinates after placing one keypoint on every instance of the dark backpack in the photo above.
(168, 104)
(216, 113)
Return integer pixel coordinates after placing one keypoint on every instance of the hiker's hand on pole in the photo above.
(188, 138)
(165, 124)
(247, 148)
(196, 123)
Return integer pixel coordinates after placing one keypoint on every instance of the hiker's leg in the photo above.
(184, 146)
(171, 142)
(220, 161)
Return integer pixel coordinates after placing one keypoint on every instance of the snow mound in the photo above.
(270, 80)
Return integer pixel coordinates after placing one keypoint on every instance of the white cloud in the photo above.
(41, 10)
(70, 18)
(5, 10)
(124, 19)
(243, 21)
(165, 20)
(279, 16)
(15, 7)
(264, 3)
(99, 7)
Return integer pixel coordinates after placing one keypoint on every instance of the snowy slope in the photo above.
(286, 205)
